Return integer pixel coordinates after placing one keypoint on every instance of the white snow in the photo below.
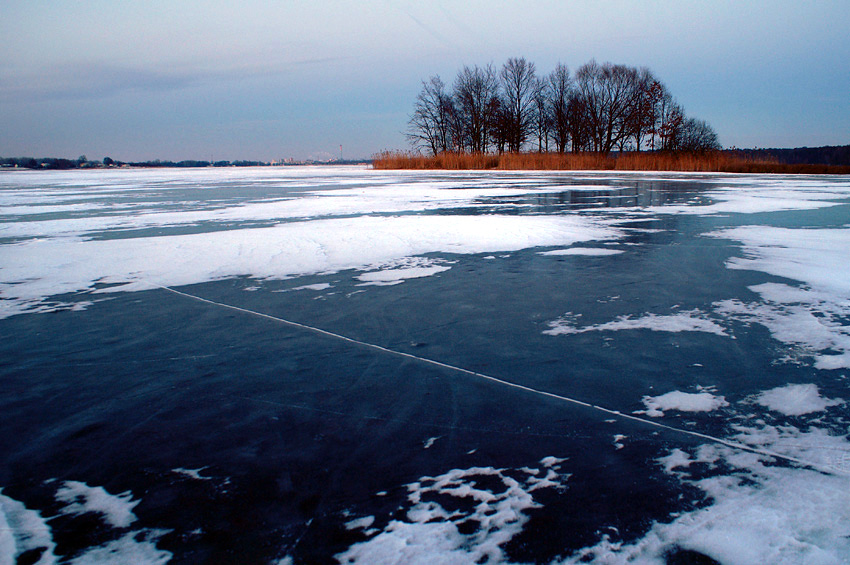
(387, 193)
(116, 509)
(758, 513)
(812, 317)
(430, 442)
(317, 287)
(762, 194)
(396, 276)
(688, 321)
(589, 251)
(127, 549)
(817, 257)
(796, 399)
(33, 270)
(360, 523)
(681, 401)
(192, 473)
(22, 530)
(428, 533)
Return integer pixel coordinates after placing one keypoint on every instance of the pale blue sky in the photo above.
(267, 80)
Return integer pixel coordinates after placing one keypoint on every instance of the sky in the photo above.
(318, 79)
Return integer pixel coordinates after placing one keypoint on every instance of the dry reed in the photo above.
(718, 161)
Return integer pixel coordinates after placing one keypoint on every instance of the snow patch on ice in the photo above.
(116, 509)
(360, 523)
(756, 512)
(317, 287)
(796, 399)
(134, 547)
(689, 321)
(23, 530)
(812, 317)
(192, 473)
(768, 196)
(430, 442)
(589, 251)
(682, 402)
(429, 533)
(37, 269)
(817, 257)
(397, 276)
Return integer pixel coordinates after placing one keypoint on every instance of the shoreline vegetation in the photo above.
(711, 162)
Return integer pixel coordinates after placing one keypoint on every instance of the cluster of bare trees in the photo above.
(601, 108)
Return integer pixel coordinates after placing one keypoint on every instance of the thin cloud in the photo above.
(98, 80)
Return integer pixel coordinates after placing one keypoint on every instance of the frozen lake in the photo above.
(335, 364)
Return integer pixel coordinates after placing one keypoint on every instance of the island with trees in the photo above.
(605, 116)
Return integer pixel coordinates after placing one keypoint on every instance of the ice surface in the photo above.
(688, 321)
(796, 399)
(390, 193)
(756, 508)
(683, 402)
(116, 509)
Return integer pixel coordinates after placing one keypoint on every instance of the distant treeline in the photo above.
(53, 163)
(827, 155)
(603, 108)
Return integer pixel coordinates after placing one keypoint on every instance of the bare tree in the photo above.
(518, 80)
(653, 96)
(430, 125)
(542, 113)
(671, 118)
(697, 136)
(579, 121)
(560, 88)
(610, 94)
(500, 124)
(474, 91)
(645, 113)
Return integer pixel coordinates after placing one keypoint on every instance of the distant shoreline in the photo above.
(60, 164)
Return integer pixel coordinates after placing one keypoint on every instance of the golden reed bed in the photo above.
(714, 162)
